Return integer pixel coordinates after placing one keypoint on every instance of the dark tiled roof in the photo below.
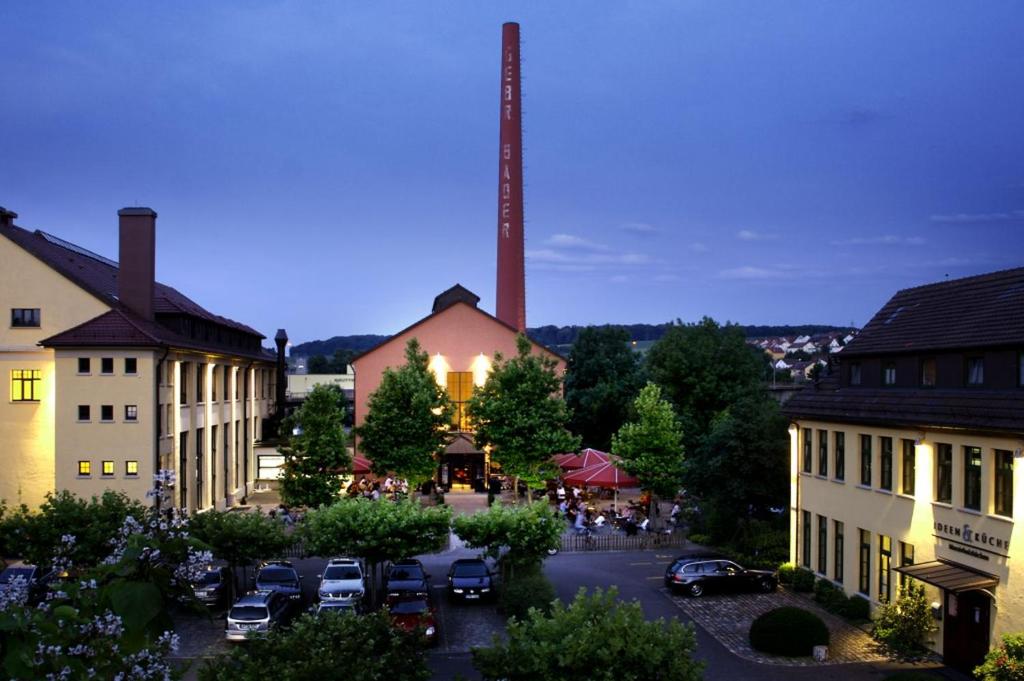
(98, 276)
(121, 328)
(970, 409)
(454, 295)
(987, 310)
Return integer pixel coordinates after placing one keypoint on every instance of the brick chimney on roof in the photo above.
(137, 260)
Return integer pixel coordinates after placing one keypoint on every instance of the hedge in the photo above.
(803, 580)
(525, 591)
(792, 632)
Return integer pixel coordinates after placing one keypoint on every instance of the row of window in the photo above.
(131, 468)
(25, 317)
(131, 412)
(884, 582)
(973, 368)
(1001, 465)
(131, 366)
(199, 381)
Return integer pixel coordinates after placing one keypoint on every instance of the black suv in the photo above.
(697, 575)
(407, 578)
(279, 576)
(470, 579)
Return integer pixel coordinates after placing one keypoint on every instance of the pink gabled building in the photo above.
(461, 340)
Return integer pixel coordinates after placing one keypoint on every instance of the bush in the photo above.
(786, 571)
(1005, 662)
(904, 625)
(697, 538)
(857, 608)
(792, 632)
(803, 580)
(525, 591)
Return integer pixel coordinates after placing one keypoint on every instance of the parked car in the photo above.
(337, 606)
(279, 576)
(697, 575)
(257, 613)
(406, 578)
(342, 580)
(37, 580)
(214, 587)
(412, 613)
(471, 579)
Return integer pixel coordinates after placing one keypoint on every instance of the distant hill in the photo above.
(556, 336)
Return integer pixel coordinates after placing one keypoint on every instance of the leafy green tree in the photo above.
(520, 414)
(651, 447)
(37, 537)
(602, 379)
(376, 531)
(328, 646)
(528, 532)
(904, 625)
(751, 435)
(1005, 662)
(239, 539)
(596, 637)
(703, 368)
(318, 364)
(407, 420)
(315, 453)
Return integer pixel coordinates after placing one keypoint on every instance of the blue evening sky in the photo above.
(329, 167)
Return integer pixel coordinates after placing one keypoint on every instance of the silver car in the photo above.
(257, 613)
(342, 580)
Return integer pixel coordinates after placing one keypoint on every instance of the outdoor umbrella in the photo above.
(604, 474)
(361, 465)
(585, 459)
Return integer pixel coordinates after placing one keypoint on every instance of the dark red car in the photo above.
(411, 614)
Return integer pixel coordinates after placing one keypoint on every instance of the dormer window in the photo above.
(975, 371)
(928, 372)
(855, 373)
(889, 374)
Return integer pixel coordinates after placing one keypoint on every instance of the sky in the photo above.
(329, 167)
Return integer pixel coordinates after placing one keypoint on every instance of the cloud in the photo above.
(619, 279)
(884, 240)
(978, 218)
(583, 261)
(570, 241)
(749, 272)
(751, 235)
(698, 247)
(667, 278)
(641, 228)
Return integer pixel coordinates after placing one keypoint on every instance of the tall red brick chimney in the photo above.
(511, 294)
(137, 260)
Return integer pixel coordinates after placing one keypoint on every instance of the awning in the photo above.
(949, 576)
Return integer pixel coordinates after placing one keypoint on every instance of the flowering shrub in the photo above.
(1005, 662)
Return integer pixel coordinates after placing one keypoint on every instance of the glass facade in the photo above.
(460, 389)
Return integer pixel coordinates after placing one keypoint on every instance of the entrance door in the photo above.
(965, 631)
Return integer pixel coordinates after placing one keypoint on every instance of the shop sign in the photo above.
(966, 540)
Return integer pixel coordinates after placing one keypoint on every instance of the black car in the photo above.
(699, 575)
(37, 580)
(213, 587)
(471, 579)
(279, 576)
(406, 578)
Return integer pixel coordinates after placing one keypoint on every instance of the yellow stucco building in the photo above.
(905, 460)
(113, 375)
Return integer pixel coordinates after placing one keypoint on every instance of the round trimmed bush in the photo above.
(792, 632)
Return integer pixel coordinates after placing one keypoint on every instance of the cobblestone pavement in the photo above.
(728, 619)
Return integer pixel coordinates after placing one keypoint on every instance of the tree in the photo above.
(520, 414)
(315, 455)
(318, 364)
(330, 645)
(376, 531)
(407, 421)
(702, 369)
(596, 637)
(602, 379)
(749, 436)
(528, 532)
(651, 447)
(239, 539)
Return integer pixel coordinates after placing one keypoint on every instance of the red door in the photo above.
(965, 630)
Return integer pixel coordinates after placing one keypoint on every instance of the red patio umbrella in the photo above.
(604, 474)
(361, 465)
(585, 459)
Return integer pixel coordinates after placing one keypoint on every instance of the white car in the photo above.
(342, 580)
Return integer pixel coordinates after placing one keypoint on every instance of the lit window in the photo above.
(26, 385)
(85, 468)
(928, 372)
(131, 467)
(889, 374)
(83, 365)
(460, 389)
(108, 468)
(106, 365)
(106, 412)
(83, 412)
(884, 565)
(131, 365)
(25, 316)
(131, 412)
(975, 371)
